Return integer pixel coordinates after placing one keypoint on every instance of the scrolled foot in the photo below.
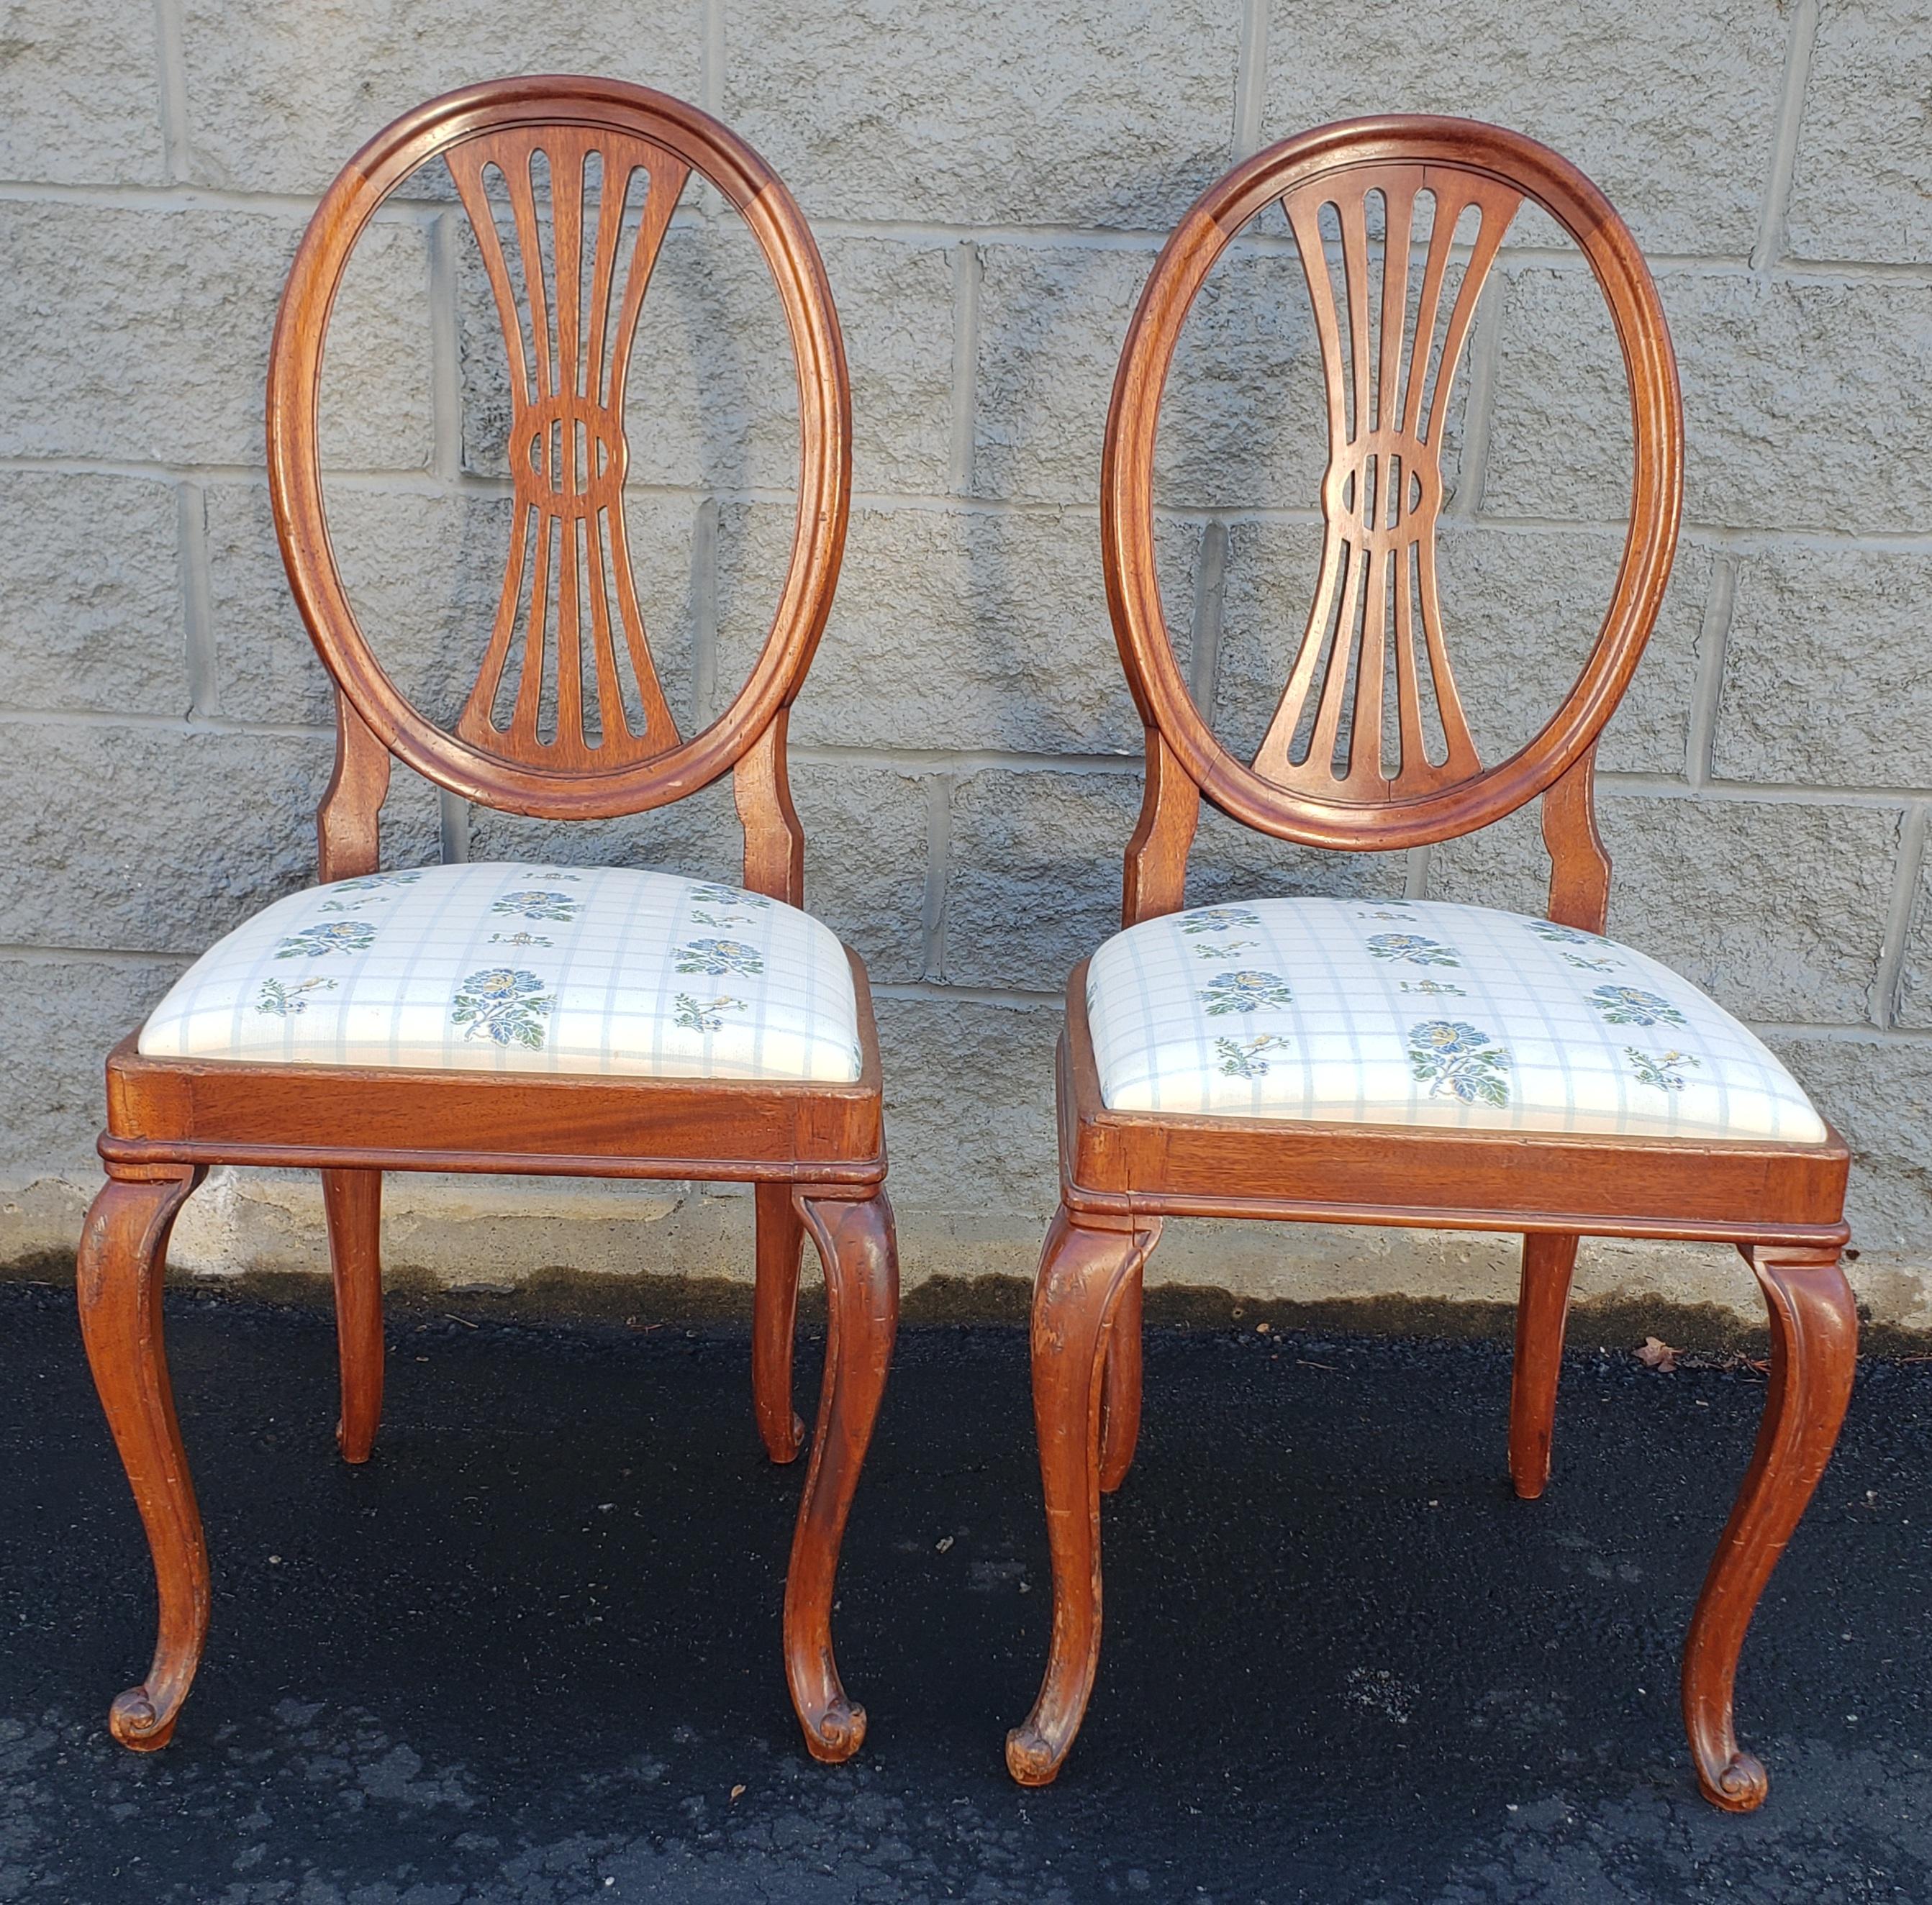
(133, 1721)
(1738, 1785)
(836, 1732)
(1031, 1758)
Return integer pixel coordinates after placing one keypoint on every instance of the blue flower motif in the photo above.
(706, 1017)
(342, 936)
(1568, 935)
(1664, 1071)
(1411, 948)
(506, 1005)
(1455, 1059)
(1244, 992)
(1218, 919)
(1631, 1005)
(710, 894)
(286, 1002)
(1240, 1058)
(535, 904)
(716, 957)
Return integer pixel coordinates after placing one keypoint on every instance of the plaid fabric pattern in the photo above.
(497, 967)
(1422, 1013)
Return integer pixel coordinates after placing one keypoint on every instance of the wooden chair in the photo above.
(306, 1039)
(1408, 1063)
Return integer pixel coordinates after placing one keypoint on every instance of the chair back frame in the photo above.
(1380, 498)
(569, 456)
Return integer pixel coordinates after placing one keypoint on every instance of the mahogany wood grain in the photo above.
(599, 741)
(856, 1245)
(352, 1205)
(123, 1248)
(1542, 1306)
(1348, 763)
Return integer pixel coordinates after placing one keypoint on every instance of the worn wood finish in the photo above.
(352, 1205)
(856, 1245)
(1814, 1343)
(1349, 762)
(1543, 1306)
(566, 720)
(780, 1239)
(123, 1248)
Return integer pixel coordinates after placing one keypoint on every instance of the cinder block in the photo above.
(1668, 107)
(1521, 612)
(951, 629)
(865, 852)
(969, 1106)
(1034, 878)
(171, 361)
(354, 68)
(1793, 389)
(160, 839)
(1051, 322)
(1101, 113)
(80, 99)
(424, 574)
(1878, 1092)
(1914, 975)
(59, 1017)
(1776, 909)
(1861, 187)
(1825, 676)
(91, 595)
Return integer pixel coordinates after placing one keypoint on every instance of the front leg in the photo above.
(856, 1241)
(1814, 1341)
(123, 1251)
(1084, 1277)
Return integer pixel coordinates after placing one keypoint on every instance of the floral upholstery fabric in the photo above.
(1421, 1013)
(495, 967)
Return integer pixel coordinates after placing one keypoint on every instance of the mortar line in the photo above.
(704, 610)
(1415, 880)
(711, 62)
(46, 955)
(204, 681)
(445, 354)
(1485, 349)
(965, 364)
(1898, 918)
(171, 76)
(924, 991)
(452, 827)
(1251, 69)
(938, 869)
(470, 483)
(1713, 636)
(1204, 657)
(1784, 138)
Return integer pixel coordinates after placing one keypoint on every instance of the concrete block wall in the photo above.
(989, 187)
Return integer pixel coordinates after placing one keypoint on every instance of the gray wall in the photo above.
(989, 185)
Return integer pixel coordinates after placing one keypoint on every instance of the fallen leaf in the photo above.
(944, 1542)
(737, 1793)
(1262, 1329)
(1657, 1354)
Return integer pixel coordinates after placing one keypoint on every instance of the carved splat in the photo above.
(1369, 748)
(569, 343)
(1389, 381)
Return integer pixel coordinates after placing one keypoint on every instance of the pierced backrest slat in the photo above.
(569, 185)
(1349, 759)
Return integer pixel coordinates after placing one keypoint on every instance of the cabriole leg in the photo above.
(774, 1318)
(1121, 1388)
(856, 1241)
(1549, 1260)
(1083, 1276)
(353, 1200)
(1814, 1335)
(123, 1251)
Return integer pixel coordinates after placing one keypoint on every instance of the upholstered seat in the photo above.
(1422, 1013)
(496, 967)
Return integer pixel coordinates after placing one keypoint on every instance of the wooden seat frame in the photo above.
(1122, 1172)
(814, 1151)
